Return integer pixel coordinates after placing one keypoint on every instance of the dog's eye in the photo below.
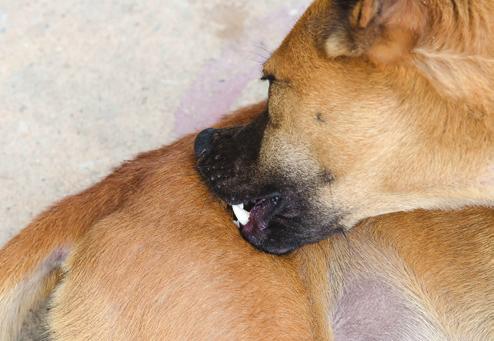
(269, 77)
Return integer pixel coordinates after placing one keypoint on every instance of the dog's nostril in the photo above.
(202, 145)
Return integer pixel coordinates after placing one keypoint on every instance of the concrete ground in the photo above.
(85, 85)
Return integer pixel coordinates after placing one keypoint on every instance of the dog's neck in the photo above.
(455, 130)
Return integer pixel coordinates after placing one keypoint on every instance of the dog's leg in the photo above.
(17, 303)
(29, 263)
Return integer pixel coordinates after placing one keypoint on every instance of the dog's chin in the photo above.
(281, 222)
(267, 240)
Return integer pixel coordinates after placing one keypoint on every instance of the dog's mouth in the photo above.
(255, 215)
(273, 214)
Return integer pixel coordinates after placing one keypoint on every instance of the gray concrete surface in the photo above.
(87, 84)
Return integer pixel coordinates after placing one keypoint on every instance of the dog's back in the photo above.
(155, 256)
(170, 265)
(149, 254)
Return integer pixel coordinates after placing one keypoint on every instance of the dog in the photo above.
(150, 254)
(375, 106)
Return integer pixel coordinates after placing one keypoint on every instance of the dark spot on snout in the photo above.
(327, 176)
(320, 118)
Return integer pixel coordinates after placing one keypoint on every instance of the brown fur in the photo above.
(162, 260)
(394, 100)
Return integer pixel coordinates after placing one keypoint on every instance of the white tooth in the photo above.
(237, 224)
(241, 214)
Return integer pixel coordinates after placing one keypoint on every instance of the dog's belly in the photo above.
(371, 309)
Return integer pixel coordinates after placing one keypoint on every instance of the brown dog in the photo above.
(375, 106)
(148, 254)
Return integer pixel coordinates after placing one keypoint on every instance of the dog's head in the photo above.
(354, 127)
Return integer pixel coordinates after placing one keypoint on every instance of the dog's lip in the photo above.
(250, 199)
(260, 211)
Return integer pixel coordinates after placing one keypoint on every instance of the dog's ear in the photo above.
(384, 30)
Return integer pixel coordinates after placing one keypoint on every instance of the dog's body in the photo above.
(148, 254)
(375, 106)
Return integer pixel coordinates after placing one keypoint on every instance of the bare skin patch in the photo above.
(371, 309)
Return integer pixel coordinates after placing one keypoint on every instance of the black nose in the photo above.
(203, 144)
